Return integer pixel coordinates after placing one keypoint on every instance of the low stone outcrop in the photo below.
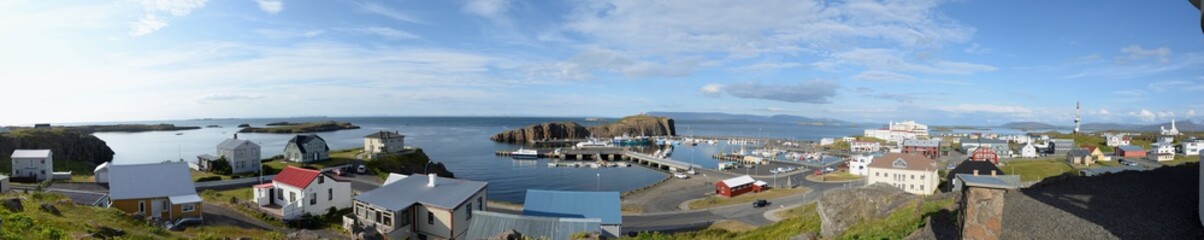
(544, 131)
(51, 209)
(842, 208)
(639, 125)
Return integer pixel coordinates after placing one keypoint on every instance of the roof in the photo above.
(1089, 148)
(303, 139)
(911, 162)
(104, 166)
(31, 153)
(393, 177)
(182, 199)
(1130, 148)
(151, 180)
(1079, 153)
(982, 141)
(571, 204)
(968, 167)
(207, 156)
(296, 177)
(738, 181)
(448, 193)
(487, 224)
(385, 135)
(999, 181)
(1062, 140)
(922, 143)
(234, 143)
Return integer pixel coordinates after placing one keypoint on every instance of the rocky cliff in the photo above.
(415, 162)
(66, 144)
(640, 125)
(842, 208)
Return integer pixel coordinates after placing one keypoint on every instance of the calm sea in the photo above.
(461, 143)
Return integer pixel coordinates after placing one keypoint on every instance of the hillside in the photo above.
(1030, 125)
(781, 118)
(73, 150)
(639, 125)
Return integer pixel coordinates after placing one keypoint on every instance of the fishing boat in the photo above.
(522, 153)
(593, 143)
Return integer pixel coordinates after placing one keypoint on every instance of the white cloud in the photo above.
(1136, 53)
(880, 75)
(271, 6)
(1162, 86)
(1145, 115)
(146, 25)
(977, 49)
(986, 108)
(813, 91)
(711, 90)
(387, 32)
(382, 10)
(215, 97)
(494, 10)
(895, 60)
(1190, 113)
(594, 59)
(1104, 111)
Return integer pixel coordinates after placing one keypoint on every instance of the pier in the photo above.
(605, 155)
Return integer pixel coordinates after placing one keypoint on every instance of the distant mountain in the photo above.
(1030, 125)
(1184, 126)
(781, 118)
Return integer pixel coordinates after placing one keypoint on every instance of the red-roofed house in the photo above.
(985, 154)
(296, 191)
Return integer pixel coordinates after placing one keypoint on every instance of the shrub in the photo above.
(222, 166)
(209, 179)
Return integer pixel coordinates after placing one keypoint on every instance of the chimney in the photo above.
(992, 173)
(432, 177)
(975, 172)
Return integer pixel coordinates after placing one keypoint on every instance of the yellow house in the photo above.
(156, 190)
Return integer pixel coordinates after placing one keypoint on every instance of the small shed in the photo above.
(4, 186)
(102, 173)
(735, 186)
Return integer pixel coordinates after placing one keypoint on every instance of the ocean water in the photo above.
(461, 143)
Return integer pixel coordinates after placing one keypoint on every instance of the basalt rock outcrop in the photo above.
(70, 145)
(640, 125)
(842, 208)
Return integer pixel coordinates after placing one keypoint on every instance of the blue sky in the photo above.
(943, 62)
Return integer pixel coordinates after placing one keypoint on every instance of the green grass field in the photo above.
(1036, 170)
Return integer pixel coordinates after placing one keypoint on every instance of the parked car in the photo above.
(361, 169)
(759, 203)
(182, 223)
(681, 175)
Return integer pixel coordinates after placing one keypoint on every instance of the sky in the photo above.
(970, 62)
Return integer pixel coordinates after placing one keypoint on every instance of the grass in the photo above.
(806, 221)
(838, 176)
(77, 221)
(732, 226)
(1036, 170)
(223, 198)
(1180, 160)
(718, 201)
(898, 224)
(632, 208)
(337, 157)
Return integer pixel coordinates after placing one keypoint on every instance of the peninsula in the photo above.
(638, 125)
(328, 126)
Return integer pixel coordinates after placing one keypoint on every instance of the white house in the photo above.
(296, 191)
(37, 164)
(244, 156)
(384, 142)
(1028, 151)
(1163, 150)
(102, 173)
(859, 164)
(419, 208)
(1192, 148)
(1116, 140)
(864, 146)
(914, 174)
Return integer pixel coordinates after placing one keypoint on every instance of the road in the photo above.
(688, 220)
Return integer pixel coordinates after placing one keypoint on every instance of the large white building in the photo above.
(896, 132)
(914, 174)
(864, 146)
(1173, 131)
(37, 164)
(1191, 148)
(1163, 150)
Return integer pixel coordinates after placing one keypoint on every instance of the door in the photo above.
(271, 196)
(157, 208)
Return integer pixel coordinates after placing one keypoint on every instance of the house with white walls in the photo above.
(1191, 148)
(35, 164)
(296, 191)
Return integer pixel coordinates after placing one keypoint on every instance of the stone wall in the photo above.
(982, 213)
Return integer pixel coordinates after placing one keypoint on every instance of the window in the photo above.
(388, 220)
(913, 177)
(480, 203)
(921, 187)
(921, 177)
(469, 211)
(188, 207)
(313, 198)
(166, 206)
(321, 180)
(292, 197)
(359, 210)
(430, 218)
(330, 194)
(279, 193)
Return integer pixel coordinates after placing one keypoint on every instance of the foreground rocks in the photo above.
(51, 209)
(640, 125)
(13, 205)
(842, 208)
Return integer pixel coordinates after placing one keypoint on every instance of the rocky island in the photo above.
(286, 127)
(638, 125)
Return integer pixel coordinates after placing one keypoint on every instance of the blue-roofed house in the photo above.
(567, 204)
(486, 225)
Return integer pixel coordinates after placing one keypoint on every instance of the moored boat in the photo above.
(522, 153)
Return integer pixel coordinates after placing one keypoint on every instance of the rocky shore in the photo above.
(639, 125)
(287, 127)
(69, 145)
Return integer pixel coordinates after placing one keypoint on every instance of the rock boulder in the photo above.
(842, 208)
(13, 205)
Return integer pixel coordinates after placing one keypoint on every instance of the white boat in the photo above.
(522, 153)
(593, 143)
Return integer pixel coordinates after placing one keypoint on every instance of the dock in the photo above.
(602, 156)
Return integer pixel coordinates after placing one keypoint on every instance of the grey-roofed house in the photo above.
(486, 224)
(1000, 147)
(969, 167)
(244, 156)
(570, 204)
(416, 207)
(161, 190)
(384, 142)
(1080, 156)
(926, 148)
(1061, 146)
(33, 164)
(306, 148)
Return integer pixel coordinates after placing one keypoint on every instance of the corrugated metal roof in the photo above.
(486, 224)
(910, 162)
(296, 177)
(738, 181)
(922, 143)
(1001, 181)
(31, 153)
(1131, 148)
(602, 205)
(151, 180)
(384, 135)
(448, 193)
